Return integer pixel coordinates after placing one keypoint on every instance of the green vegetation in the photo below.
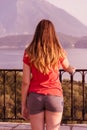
(77, 101)
(11, 83)
(10, 93)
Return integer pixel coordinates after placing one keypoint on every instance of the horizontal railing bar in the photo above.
(22, 69)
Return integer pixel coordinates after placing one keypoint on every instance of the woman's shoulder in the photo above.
(26, 57)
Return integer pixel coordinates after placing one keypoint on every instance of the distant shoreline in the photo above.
(13, 48)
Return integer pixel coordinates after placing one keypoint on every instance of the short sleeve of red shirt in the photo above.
(61, 59)
(26, 59)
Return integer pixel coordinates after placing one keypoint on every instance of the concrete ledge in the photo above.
(26, 126)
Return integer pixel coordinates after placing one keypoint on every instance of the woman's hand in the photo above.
(25, 113)
(67, 67)
(72, 69)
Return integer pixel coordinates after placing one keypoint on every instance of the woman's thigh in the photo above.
(53, 120)
(37, 121)
(35, 107)
(54, 111)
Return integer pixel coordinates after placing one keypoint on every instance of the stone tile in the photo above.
(5, 128)
(64, 127)
(26, 126)
(7, 125)
(23, 126)
(80, 127)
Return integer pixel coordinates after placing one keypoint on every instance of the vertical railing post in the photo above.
(15, 94)
(4, 102)
(60, 76)
(72, 116)
(83, 88)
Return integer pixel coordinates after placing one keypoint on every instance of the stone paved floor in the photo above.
(26, 126)
(14, 126)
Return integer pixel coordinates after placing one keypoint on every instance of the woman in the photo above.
(42, 96)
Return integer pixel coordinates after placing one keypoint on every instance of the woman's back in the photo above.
(44, 83)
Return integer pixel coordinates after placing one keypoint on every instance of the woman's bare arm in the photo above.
(67, 67)
(25, 82)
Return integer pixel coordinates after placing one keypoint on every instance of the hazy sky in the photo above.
(77, 8)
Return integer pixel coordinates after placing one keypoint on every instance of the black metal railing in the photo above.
(74, 89)
(75, 94)
(10, 94)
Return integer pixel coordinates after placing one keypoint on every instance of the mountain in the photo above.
(81, 43)
(67, 41)
(8, 15)
(22, 16)
(20, 41)
(15, 41)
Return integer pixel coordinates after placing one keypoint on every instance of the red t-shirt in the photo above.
(44, 84)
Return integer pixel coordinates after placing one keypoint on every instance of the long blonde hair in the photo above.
(44, 50)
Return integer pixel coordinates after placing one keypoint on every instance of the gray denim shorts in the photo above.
(37, 103)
